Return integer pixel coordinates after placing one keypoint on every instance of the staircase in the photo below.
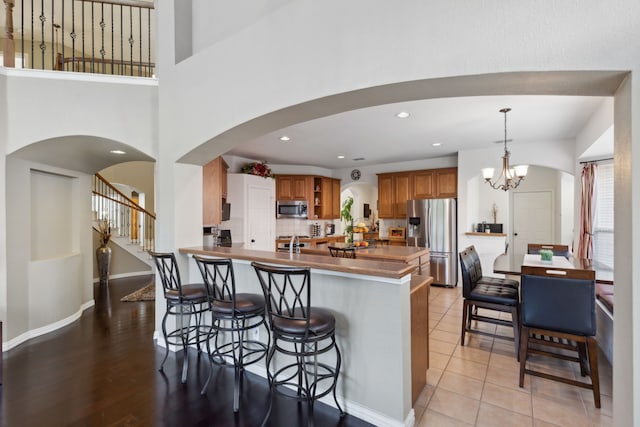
(132, 227)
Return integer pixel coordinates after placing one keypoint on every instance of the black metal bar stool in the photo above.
(300, 331)
(182, 301)
(234, 317)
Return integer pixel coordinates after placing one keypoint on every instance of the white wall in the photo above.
(121, 109)
(49, 274)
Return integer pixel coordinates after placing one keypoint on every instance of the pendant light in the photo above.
(510, 177)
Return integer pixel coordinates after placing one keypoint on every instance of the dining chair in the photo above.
(489, 293)
(558, 250)
(559, 321)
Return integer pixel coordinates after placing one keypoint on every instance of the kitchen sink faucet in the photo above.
(295, 242)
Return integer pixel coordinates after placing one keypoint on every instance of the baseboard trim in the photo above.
(47, 328)
(352, 408)
(124, 275)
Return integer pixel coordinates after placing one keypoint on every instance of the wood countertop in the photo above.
(369, 267)
(404, 254)
(485, 234)
(314, 239)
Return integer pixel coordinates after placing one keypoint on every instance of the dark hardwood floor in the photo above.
(102, 371)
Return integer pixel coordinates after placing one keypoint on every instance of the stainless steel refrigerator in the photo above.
(432, 223)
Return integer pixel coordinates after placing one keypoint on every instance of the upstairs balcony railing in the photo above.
(90, 36)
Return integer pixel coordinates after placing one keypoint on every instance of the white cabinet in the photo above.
(253, 202)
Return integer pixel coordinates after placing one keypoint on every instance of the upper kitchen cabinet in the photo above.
(294, 187)
(214, 190)
(394, 189)
(335, 198)
(326, 197)
(435, 183)
(385, 196)
(403, 186)
(423, 185)
(446, 182)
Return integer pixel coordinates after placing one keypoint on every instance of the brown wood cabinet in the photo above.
(403, 189)
(393, 192)
(214, 190)
(385, 196)
(423, 187)
(326, 197)
(394, 189)
(293, 187)
(420, 285)
(446, 182)
(335, 198)
(321, 193)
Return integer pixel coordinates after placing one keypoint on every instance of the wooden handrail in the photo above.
(109, 61)
(132, 3)
(133, 204)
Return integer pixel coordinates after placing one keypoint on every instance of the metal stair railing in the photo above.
(127, 218)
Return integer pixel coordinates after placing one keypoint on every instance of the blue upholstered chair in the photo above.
(559, 315)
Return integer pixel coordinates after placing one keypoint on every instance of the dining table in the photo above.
(512, 265)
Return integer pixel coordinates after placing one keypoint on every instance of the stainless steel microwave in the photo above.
(292, 209)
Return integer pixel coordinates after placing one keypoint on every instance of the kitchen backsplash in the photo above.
(302, 227)
(386, 223)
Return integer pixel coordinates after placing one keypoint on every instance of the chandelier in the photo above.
(510, 177)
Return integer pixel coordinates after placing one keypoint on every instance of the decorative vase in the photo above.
(103, 257)
(348, 238)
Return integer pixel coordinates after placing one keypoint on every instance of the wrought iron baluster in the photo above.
(43, 19)
(73, 35)
(131, 40)
(140, 43)
(93, 37)
(84, 62)
(102, 25)
(149, 39)
(22, 35)
(32, 38)
(112, 43)
(62, 26)
(121, 40)
(53, 42)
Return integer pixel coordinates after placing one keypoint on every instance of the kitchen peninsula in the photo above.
(405, 254)
(372, 303)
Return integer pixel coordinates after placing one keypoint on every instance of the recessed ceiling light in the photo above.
(402, 115)
(341, 157)
(285, 138)
(437, 144)
(117, 152)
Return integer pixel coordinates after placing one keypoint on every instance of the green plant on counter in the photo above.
(345, 214)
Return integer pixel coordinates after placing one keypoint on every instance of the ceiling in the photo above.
(375, 135)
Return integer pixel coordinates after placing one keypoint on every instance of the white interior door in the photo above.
(532, 220)
(261, 225)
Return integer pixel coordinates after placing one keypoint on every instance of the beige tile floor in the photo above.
(477, 384)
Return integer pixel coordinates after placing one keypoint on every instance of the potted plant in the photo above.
(103, 252)
(345, 214)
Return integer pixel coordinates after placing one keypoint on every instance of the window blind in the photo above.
(603, 221)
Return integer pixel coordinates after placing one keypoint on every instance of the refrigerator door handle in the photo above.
(428, 225)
